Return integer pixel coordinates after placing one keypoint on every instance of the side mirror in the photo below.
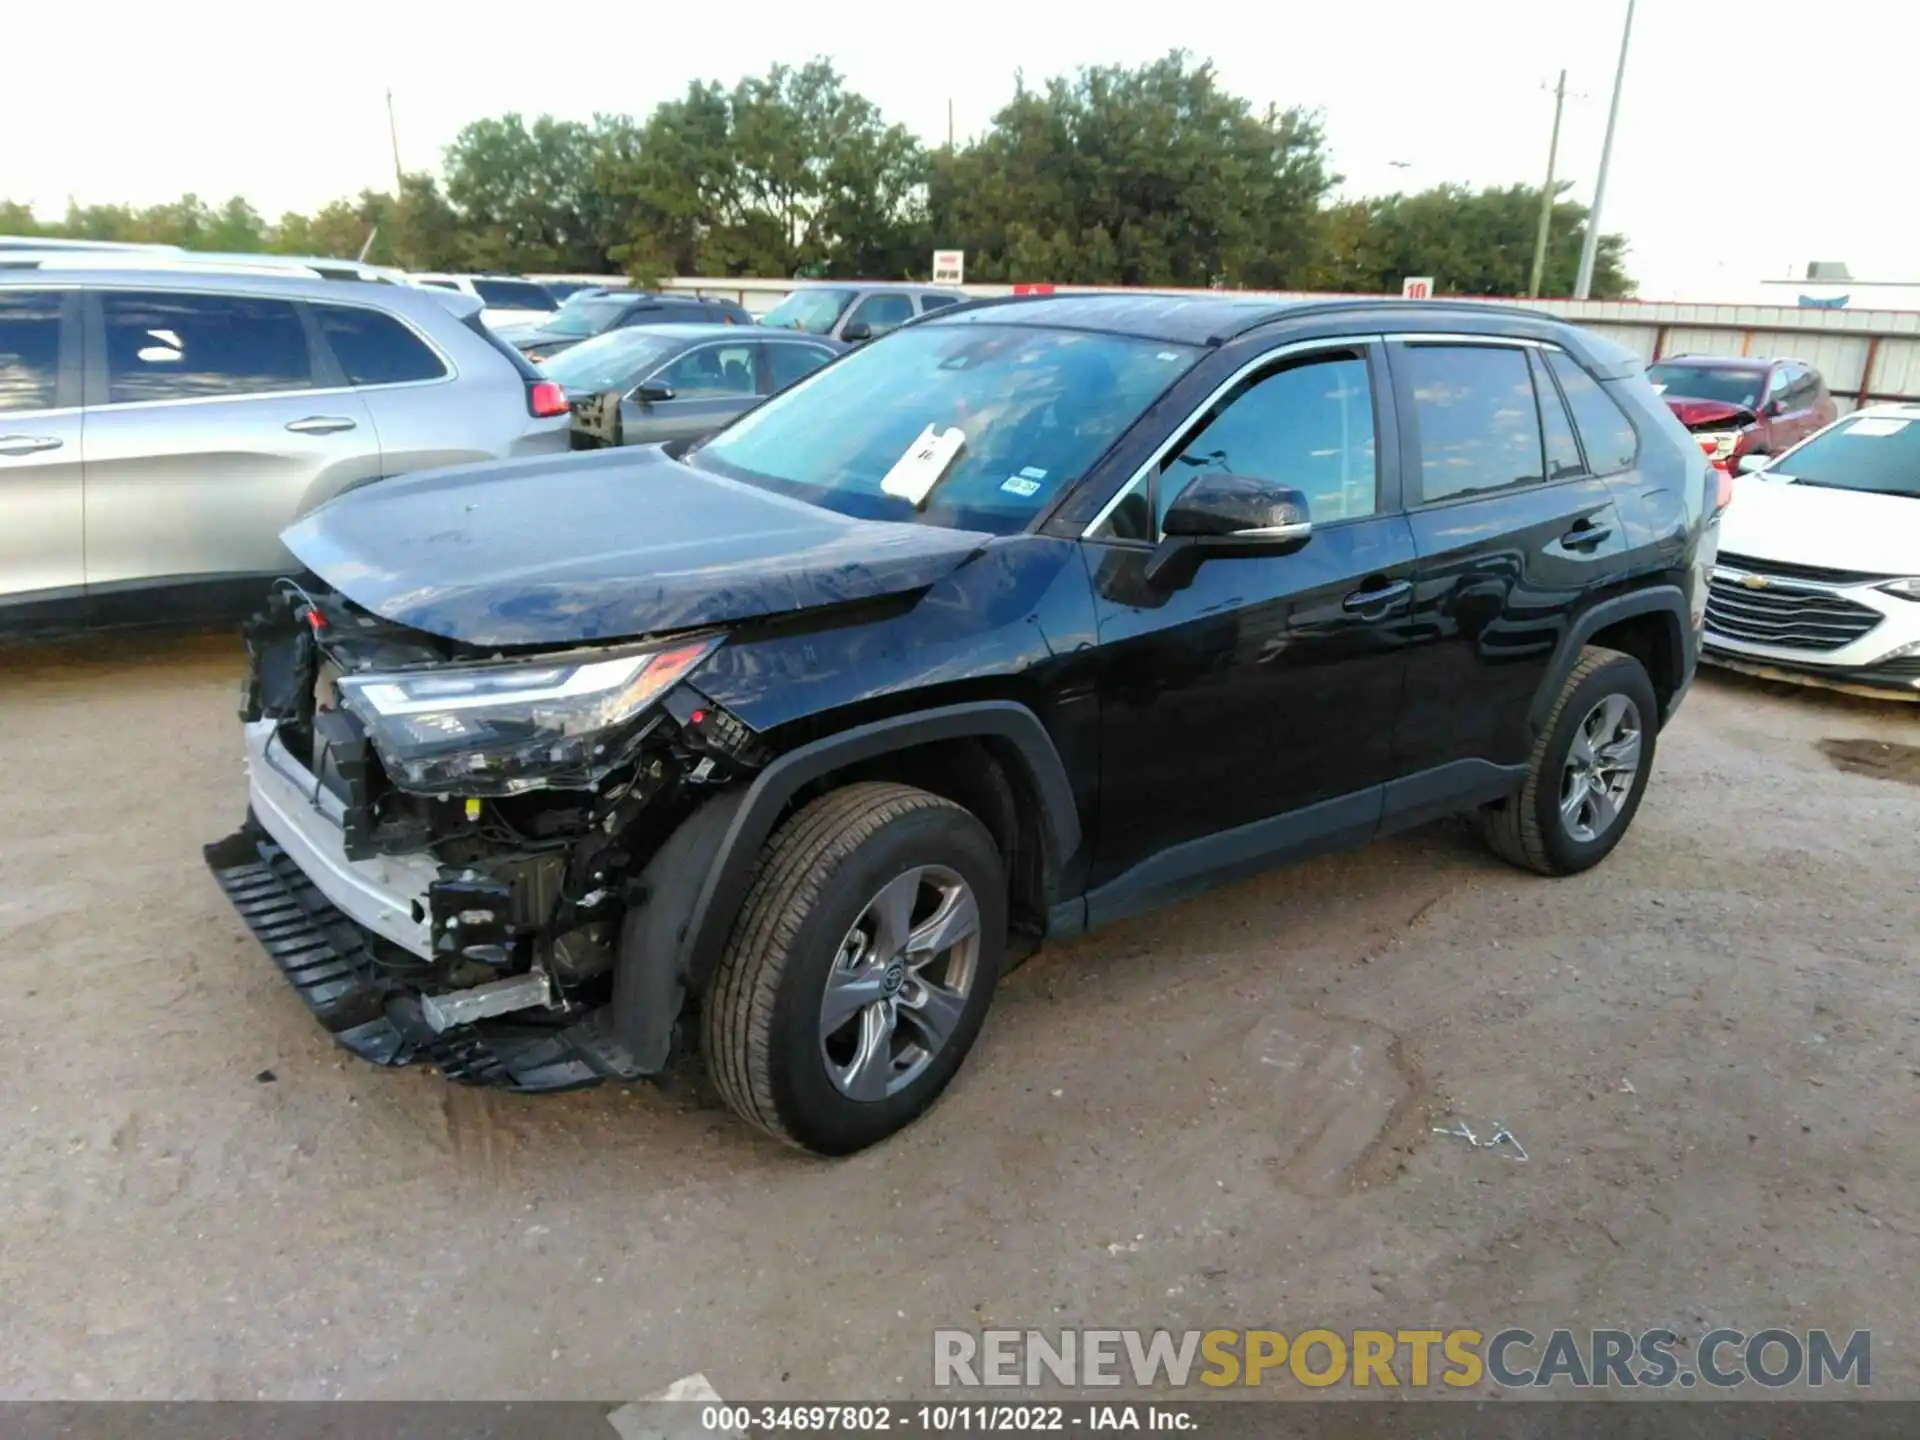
(1224, 515)
(652, 392)
(856, 332)
(1749, 464)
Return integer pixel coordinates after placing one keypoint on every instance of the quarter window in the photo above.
(373, 348)
(1605, 432)
(1479, 425)
(182, 347)
(29, 350)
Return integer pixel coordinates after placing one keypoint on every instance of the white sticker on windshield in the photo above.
(1659, 389)
(915, 473)
(1033, 472)
(1020, 485)
(1873, 428)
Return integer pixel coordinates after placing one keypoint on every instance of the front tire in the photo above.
(859, 969)
(1587, 773)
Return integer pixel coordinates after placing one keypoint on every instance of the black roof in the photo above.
(1191, 319)
(1209, 317)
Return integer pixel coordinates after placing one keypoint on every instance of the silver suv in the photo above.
(158, 429)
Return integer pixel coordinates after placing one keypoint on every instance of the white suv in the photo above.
(1818, 575)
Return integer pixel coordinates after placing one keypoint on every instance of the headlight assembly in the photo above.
(502, 729)
(1905, 589)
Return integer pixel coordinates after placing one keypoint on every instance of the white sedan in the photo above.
(1818, 574)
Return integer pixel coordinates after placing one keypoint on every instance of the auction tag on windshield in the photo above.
(1876, 427)
(915, 473)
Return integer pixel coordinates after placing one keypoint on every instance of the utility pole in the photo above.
(393, 134)
(1546, 195)
(949, 124)
(1583, 283)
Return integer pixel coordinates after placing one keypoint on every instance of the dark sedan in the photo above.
(584, 318)
(676, 382)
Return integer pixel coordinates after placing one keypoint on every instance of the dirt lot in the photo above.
(1219, 1115)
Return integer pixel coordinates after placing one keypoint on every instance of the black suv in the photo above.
(1031, 616)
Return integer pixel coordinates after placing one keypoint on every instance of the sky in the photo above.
(1752, 137)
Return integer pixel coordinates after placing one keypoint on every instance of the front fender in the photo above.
(696, 883)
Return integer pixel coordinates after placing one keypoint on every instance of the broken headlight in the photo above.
(502, 729)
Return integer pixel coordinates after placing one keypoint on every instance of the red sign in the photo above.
(1029, 289)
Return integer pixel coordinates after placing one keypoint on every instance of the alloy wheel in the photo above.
(1600, 770)
(899, 983)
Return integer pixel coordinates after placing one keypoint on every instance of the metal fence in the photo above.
(1867, 356)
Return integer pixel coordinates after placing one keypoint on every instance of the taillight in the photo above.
(546, 399)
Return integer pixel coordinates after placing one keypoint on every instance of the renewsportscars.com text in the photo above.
(1409, 1359)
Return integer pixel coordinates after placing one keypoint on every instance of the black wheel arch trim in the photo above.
(695, 884)
(1662, 599)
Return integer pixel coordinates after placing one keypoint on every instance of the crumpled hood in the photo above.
(1696, 414)
(597, 546)
(1818, 525)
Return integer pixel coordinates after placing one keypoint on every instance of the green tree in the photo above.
(1471, 242)
(525, 194)
(787, 172)
(1146, 176)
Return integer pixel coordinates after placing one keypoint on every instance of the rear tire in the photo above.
(1578, 800)
(848, 898)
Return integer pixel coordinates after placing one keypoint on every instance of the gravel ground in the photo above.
(1218, 1115)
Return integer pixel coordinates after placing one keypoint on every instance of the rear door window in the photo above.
(29, 350)
(937, 302)
(1606, 434)
(1479, 425)
(163, 346)
(373, 348)
(513, 295)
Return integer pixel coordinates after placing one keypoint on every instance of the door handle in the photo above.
(28, 444)
(320, 425)
(1379, 599)
(1585, 535)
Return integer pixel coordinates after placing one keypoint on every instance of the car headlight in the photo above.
(502, 729)
(1906, 589)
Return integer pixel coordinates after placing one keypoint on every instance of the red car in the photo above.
(1737, 406)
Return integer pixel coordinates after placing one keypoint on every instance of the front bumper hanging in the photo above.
(337, 969)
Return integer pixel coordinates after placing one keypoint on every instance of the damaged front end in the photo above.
(442, 846)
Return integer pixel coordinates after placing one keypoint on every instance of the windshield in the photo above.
(1709, 382)
(1035, 408)
(513, 295)
(813, 311)
(1877, 453)
(618, 360)
(587, 317)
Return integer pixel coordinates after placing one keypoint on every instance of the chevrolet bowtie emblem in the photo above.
(1755, 582)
